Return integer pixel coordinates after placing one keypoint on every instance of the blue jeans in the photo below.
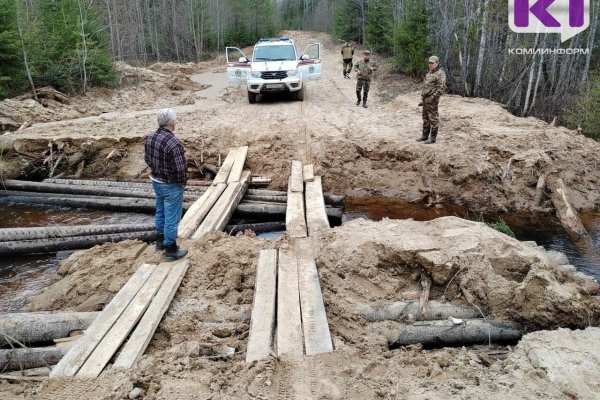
(169, 206)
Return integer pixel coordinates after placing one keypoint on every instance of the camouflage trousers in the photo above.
(431, 115)
(363, 85)
(347, 66)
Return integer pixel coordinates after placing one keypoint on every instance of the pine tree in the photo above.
(346, 20)
(412, 44)
(380, 26)
(12, 75)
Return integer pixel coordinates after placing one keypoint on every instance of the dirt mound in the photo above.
(171, 68)
(179, 81)
(131, 75)
(364, 262)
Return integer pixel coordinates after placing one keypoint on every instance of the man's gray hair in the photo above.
(166, 117)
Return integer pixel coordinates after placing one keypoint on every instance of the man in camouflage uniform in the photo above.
(433, 88)
(347, 54)
(364, 70)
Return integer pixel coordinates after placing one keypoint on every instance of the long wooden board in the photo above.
(295, 222)
(221, 213)
(124, 325)
(199, 210)
(309, 173)
(70, 364)
(140, 338)
(238, 165)
(262, 323)
(289, 322)
(317, 338)
(225, 169)
(316, 214)
(296, 177)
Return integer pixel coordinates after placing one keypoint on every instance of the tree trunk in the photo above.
(446, 333)
(27, 358)
(37, 327)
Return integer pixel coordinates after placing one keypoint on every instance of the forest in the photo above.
(70, 44)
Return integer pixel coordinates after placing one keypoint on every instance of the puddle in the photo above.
(217, 81)
(20, 277)
(544, 229)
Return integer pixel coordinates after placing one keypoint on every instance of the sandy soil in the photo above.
(374, 263)
(486, 158)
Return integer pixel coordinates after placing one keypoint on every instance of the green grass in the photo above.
(500, 226)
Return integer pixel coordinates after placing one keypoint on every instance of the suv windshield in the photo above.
(275, 53)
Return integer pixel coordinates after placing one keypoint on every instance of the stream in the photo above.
(20, 277)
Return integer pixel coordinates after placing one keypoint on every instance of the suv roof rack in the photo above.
(281, 39)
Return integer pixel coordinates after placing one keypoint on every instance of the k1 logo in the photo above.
(567, 17)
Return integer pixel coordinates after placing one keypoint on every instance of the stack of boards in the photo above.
(212, 211)
(287, 290)
(140, 304)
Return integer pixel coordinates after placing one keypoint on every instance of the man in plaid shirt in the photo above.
(165, 156)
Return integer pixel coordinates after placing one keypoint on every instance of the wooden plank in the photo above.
(199, 210)
(296, 179)
(289, 322)
(225, 169)
(317, 338)
(238, 165)
(70, 364)
(308, 173)
(125, 324)
(262, 323)
(316, 214)
(221, 213)
(140, 338)
(295, 223)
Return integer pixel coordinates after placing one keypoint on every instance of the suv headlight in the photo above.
(293, 72)
(255, 74)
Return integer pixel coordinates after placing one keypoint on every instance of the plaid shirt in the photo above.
(165, 156)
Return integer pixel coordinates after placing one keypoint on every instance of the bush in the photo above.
(586, 112)
(12, 75)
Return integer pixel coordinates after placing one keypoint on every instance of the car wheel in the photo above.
(300, 94)
(251, 97)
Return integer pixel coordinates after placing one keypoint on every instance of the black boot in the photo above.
(359, 99)
(160, 246)
(365, 104)
(425, 135)
(433, 136)
(174, 253)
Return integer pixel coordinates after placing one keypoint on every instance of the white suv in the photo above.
(275, 67)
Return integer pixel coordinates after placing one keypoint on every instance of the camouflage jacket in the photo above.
(434, 85)
(347, 52)
(365, 69)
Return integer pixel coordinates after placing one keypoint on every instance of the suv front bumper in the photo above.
(289, 84)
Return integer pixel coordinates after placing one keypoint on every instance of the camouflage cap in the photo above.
(367, 52)
(434, 59)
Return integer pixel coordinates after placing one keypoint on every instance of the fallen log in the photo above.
(275, 210)
(94, 203)
(144, 186)
(256, 228)
(71, 243)
(42, 187)
(447, 333)
(15, 234)
(564, 210)
(266, 199)
(36, 327)
(403, 309)
(26, 358)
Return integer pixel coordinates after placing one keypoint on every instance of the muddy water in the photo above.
(544, 229)
(21, 277)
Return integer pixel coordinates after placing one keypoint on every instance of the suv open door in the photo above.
(309, 63)
(238, 65)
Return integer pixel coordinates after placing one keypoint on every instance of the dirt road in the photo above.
(485, 159)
